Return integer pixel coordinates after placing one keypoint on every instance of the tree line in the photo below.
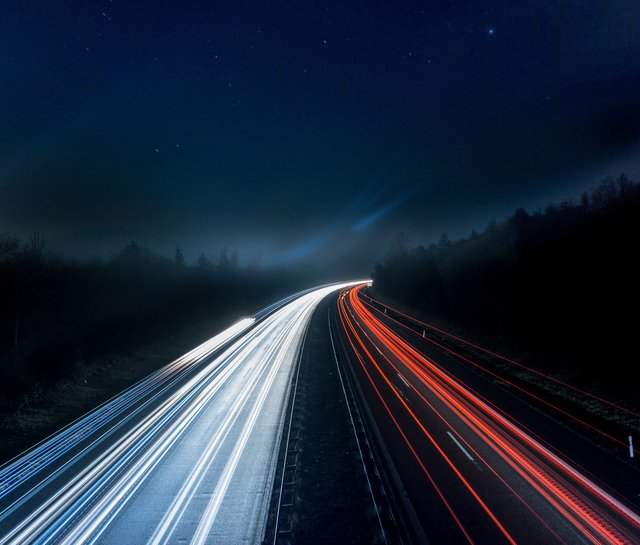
(57, 312)
(561, 284)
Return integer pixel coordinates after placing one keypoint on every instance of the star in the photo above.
(491, 31)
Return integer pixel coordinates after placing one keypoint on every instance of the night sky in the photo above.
(308, 132)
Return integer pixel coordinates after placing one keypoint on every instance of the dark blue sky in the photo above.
(306, 130)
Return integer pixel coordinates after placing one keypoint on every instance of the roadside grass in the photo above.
(44, 408)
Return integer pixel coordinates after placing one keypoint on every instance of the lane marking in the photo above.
(460, 446)
(404, 380)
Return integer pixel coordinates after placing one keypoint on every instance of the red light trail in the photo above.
(499, 356)
(527, 475)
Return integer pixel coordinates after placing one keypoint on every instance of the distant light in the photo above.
(491, 31)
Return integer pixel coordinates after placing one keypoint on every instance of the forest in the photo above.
(56, 312)
(557, 286)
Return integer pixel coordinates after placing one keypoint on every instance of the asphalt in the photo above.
(327, 498)
(186, 456)
(391, 446)
(459, 485)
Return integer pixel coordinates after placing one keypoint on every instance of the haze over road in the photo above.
(186, 455)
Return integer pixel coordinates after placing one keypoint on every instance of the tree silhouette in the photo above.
(526, 278)
(33, 251)
(178, 257)
(204, 262)
(57, 313)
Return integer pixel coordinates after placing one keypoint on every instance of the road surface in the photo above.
(476, 464)
(185, 456)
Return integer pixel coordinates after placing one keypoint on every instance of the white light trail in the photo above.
(132, 446)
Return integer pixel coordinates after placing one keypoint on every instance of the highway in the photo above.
(186, 455)
(475, 463)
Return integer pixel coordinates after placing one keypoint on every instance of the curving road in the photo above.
(185, 456)
(477, 464)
